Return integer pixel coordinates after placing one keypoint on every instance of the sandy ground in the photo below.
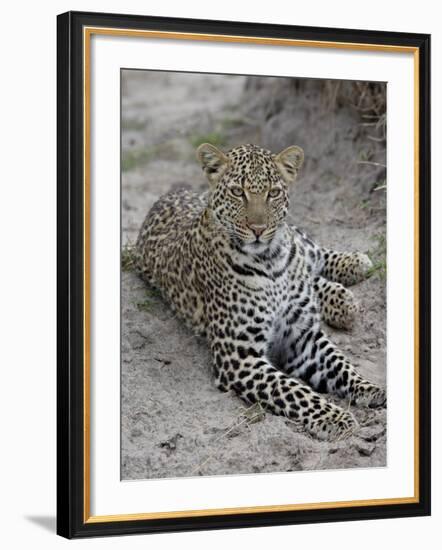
(174, 421)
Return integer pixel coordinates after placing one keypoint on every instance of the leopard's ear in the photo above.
(213, 161)
(289, 162)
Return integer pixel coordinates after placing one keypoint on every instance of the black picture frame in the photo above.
(71, 519)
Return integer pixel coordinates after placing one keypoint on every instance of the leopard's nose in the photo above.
(258, 229)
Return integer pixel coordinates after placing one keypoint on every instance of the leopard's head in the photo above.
(249, 195)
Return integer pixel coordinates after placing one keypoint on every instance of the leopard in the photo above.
(258, 289)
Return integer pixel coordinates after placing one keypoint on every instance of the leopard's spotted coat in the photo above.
(257, 287)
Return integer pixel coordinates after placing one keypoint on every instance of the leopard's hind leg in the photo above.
(337, 304)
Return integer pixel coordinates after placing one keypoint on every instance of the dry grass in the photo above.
(246, 417)
(367, 98)
(378, 256)
(128, 257)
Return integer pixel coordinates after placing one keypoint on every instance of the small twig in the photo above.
(380, 187)
(377, 139)
(371, 163)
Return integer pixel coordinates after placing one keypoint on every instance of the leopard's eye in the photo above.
(273, 193)
(237, 191)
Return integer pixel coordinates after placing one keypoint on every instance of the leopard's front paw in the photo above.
(369, 395)
(333, 423)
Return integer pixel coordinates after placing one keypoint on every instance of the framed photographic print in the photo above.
(243, 274)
